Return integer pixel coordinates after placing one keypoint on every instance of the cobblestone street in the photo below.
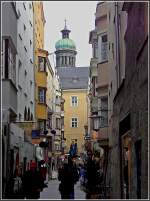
(52, 191)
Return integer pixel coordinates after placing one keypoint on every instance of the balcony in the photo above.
(94, 104)
(9, 95)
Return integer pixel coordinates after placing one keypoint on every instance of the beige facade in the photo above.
(80, 112)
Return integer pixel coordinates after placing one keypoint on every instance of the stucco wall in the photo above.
(80, 112)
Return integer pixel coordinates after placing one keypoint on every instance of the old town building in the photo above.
(74, 85)
(129, 153)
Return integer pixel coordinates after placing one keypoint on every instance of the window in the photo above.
(30, 23)
(19, 14)
(8, 61)
(30, 5)
(102, 44)
(20, 36)
(19, 117)
(42, 95)
(57, 123)
(65, 60)
(25, 48)
(104, 112)
(74, 122)
(24, 26)
(74, 100)
(19, 72)
(42, 63)
(30, 42)
(57, 100)
(42, 125)
(24, 5)
(95, 48)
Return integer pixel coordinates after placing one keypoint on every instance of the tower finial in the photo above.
(65, 24)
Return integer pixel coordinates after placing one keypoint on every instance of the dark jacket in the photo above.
(68, 175)
(32, 184)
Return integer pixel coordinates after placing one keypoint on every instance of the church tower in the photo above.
(65, 50)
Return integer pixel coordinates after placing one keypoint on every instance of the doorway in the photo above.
(126, 164)
(138, 165)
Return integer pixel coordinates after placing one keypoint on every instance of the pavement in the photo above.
(52, 192)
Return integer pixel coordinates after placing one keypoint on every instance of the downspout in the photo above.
(117, 34)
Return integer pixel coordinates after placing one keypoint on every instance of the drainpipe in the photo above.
(117, 34)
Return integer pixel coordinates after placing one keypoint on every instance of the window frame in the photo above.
(102, 50)
(43, 95)
(74, 121)
(43, 69)
(74, 103)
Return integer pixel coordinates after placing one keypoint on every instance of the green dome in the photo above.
(65, 43)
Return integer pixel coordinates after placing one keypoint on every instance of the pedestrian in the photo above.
(91, 176)
(53, 163)
(33, 182)
(68, 175)
(17, 188)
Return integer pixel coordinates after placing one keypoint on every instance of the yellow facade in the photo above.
(40, 76)
(80, 112)
(39, 22)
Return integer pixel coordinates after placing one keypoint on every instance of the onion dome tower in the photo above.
(65, 50)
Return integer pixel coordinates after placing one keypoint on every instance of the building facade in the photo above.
(99, 85)
(25, 59)
(9, 85)
(74, 86)
(130, 107)
(74, 83)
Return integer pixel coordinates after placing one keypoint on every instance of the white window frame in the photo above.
(74, 121)
(41, 64)
(42, 95)
(102, 56)
(73, 102)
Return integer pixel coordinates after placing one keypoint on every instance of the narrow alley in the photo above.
(52, 192)
(75, 99)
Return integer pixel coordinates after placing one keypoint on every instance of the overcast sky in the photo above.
(80, 16)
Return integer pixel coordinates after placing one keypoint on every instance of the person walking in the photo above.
(68, 175)
(53, 163)
(91, 176)
(32, 182)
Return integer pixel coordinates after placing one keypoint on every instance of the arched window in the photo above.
(28, 117)
(31, 117)
(65, 60)
(25, 114)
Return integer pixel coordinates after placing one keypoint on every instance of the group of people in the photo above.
(68, 176)
(28, 184)
(89, 174)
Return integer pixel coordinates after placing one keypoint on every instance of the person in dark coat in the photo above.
(32, 183)
(91, 176)
(68, 175)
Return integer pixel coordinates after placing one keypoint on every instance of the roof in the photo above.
(73, 77)
(65, 43)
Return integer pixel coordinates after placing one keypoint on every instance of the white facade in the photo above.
(25, 68)
(57, 113)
